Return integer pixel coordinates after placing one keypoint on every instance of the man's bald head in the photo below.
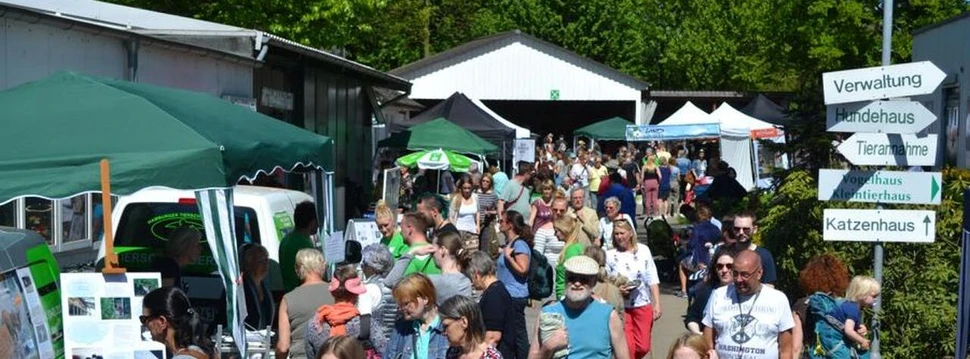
(747, 258)
(747, 272)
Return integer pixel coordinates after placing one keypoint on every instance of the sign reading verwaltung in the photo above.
(873, 83)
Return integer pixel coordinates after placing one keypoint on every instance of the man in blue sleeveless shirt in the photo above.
(589, 329)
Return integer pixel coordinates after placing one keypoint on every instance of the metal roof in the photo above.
(187, 30)
(485, 44)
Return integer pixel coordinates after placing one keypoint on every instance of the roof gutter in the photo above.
(96, 29)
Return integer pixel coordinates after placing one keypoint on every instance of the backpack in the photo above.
(830, 341)
(540, 278)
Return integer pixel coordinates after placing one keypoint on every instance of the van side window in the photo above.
(147, 224)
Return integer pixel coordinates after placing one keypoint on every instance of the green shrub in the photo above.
(920, 280)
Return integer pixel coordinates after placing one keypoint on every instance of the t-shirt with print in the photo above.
(516, 198)
(634, 266)
(498, 314)
(751, 329)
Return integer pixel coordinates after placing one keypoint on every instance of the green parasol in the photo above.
(436, 160)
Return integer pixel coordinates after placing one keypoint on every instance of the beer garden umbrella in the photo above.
(436, 160)
(57, 130)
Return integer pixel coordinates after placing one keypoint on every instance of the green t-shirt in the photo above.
(396, 244)
(570, 251)
(291, 244)
(424, 265)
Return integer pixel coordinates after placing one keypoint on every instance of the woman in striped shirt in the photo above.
(487, 211)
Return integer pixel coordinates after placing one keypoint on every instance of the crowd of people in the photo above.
(452, 278)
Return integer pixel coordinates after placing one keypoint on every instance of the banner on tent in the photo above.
(671, 132)
(762, 133)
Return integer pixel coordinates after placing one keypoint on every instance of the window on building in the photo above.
(74, 219)
(39, 217)
(8, 214)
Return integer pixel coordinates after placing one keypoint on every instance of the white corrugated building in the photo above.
(529, 81)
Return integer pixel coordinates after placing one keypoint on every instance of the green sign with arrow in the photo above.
(879, 186)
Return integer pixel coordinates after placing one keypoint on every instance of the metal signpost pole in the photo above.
(887, 43)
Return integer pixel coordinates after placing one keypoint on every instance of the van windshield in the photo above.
(147, 224)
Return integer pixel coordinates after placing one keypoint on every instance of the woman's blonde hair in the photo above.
(693, 341)
(569, 225)
(626, 225)
(382, 211)
(860, 287)
(309, 261)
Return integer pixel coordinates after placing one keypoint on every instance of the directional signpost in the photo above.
(873, 225)
(883, 137)
(873, 83)
(879, 186)
(879, 117)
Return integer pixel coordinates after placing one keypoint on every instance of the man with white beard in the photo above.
(590, 329)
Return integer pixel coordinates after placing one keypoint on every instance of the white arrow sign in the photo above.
(873, 83)
(889, 150)
(879, 117)
(873, 225)
(880, 186)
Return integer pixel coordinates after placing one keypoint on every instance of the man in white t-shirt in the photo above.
(747, 319)
(579, 174)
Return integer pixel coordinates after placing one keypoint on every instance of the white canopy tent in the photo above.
(689, 114)
(739, 148)
(520, 132)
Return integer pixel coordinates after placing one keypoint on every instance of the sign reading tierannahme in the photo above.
(879, 186)
(877, 149)
(873, 83)
(879, 117)
(874, 225)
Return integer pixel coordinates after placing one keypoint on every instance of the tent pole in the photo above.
(111, 265)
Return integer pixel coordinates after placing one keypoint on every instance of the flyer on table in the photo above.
(101, 315)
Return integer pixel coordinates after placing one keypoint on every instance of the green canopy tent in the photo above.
(612, 129)
(439, 133)
(56, 131)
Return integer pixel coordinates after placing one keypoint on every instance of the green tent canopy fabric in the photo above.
(613, 129)
(56, 130)
(439, 133)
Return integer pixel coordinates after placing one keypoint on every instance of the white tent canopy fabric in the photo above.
(736, 123)
(689, 114)
(737, 147)
(520, 132)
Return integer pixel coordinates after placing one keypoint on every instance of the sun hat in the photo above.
(352, 285)
(582, 265)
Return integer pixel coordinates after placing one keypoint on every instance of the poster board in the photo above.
(101, 315)
(363, 231)
(24, 333)
(391, 193)
(525, 150)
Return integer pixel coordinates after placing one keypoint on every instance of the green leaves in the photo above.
(920, 280)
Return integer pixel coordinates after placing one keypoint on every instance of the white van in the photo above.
(142, 220)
